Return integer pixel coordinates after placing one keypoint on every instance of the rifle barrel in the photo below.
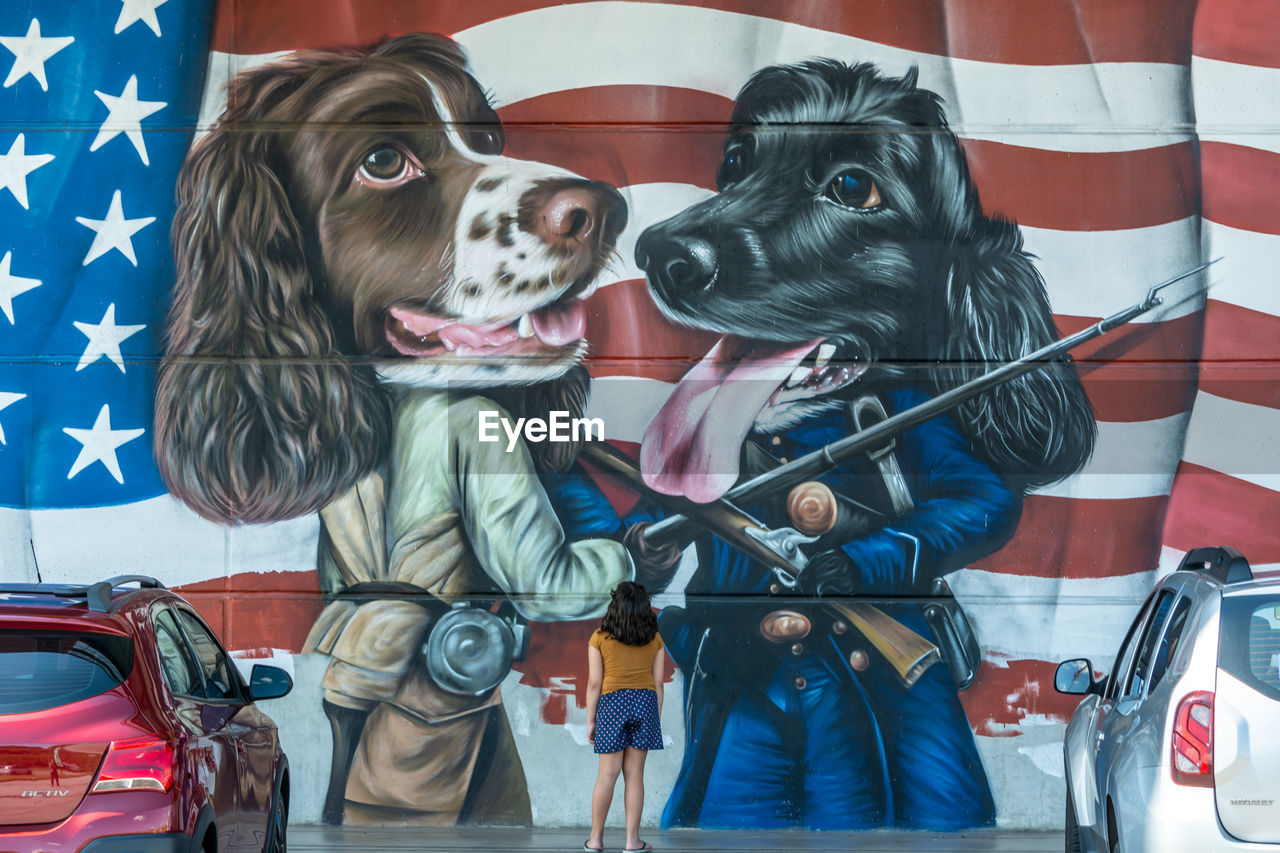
(818, 462)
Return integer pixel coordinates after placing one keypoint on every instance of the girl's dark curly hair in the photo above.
(630, 618)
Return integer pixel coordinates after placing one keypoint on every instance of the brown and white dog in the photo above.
(350, 240)
(350, 222)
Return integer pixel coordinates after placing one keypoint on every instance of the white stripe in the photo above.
(626, 404)
(1131, 460)
(159, 537)
(614, 43)
(1098, 107)
(1097, 273)
(1087, 273)
(1247, 275)
(1237, 103)
(1241, 440)
(1022, 617)
(647, 204)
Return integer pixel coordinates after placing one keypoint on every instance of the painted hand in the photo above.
(654, 566)
(829, 573)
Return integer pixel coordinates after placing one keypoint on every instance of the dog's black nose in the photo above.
(677, 263)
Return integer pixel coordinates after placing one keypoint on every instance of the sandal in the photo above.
(647, 846)
(590, 849)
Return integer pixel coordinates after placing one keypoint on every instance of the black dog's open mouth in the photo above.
(817, 375)
(692, 446)
(546, 332)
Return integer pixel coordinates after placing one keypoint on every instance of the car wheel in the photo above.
(1073, 828)
(277, 835)
(1113, 831)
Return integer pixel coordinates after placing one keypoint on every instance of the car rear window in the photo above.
(46, 669)
(1249, 642)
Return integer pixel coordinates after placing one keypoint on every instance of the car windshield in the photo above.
(1249, 641)
(46, 669)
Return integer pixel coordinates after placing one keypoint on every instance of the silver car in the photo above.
(1179, 747)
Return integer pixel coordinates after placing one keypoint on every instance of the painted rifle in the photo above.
(906, 651)
(682, 528)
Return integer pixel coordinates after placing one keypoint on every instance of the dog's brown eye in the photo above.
(486, 141)
(855, 190)
(733, 168)
(386, 166)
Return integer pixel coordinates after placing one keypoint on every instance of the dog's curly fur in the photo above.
(898, 265)
(269, 401)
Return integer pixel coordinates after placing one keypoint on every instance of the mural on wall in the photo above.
(854, 275)
(731, 232)
(406, 238)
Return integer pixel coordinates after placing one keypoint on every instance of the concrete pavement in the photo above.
(313, 839)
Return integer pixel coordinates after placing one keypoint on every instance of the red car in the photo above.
(125, 728)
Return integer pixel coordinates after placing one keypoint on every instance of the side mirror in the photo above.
(1074, 677)
(268, 682)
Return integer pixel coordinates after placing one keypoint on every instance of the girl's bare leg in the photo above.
(602, 795)
(633, 793)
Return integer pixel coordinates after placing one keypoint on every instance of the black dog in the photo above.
(846, 254)
(846, 215)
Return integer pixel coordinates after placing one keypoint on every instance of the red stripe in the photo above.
(1074, 191)
(630, 138)
(1031, 32)
(1240, 186)
(251, 610)
(630, 337)
(1073, 538)
(1244, 31)
(1239, 360)
(1210, 508)
(1141, 372)
(1006, 692)
(593, 106)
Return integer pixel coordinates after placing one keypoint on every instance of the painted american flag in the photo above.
(1131, 139)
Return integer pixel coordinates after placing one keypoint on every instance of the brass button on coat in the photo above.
(782, 625)
(839, 627)
(800, 682)
(797, 648)
(858, 660)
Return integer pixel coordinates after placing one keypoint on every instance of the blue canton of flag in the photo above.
(97, 106)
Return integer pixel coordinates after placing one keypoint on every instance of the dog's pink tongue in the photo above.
(692, 446)
(561, 323)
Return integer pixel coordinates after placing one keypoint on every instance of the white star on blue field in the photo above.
(98, 104)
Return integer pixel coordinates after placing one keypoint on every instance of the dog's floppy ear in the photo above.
(257, 418)
(1040, 427)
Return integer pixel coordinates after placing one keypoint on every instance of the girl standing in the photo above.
(624, 704)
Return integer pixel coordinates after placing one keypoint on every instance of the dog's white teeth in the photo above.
(798, 375)
(824, 355)
(525, 327)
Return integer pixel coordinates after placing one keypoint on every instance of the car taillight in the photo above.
(1193, 741)
(142, 762)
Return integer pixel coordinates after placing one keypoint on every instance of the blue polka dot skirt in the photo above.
(627, 718)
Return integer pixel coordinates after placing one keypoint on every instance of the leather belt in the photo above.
(783, 626)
